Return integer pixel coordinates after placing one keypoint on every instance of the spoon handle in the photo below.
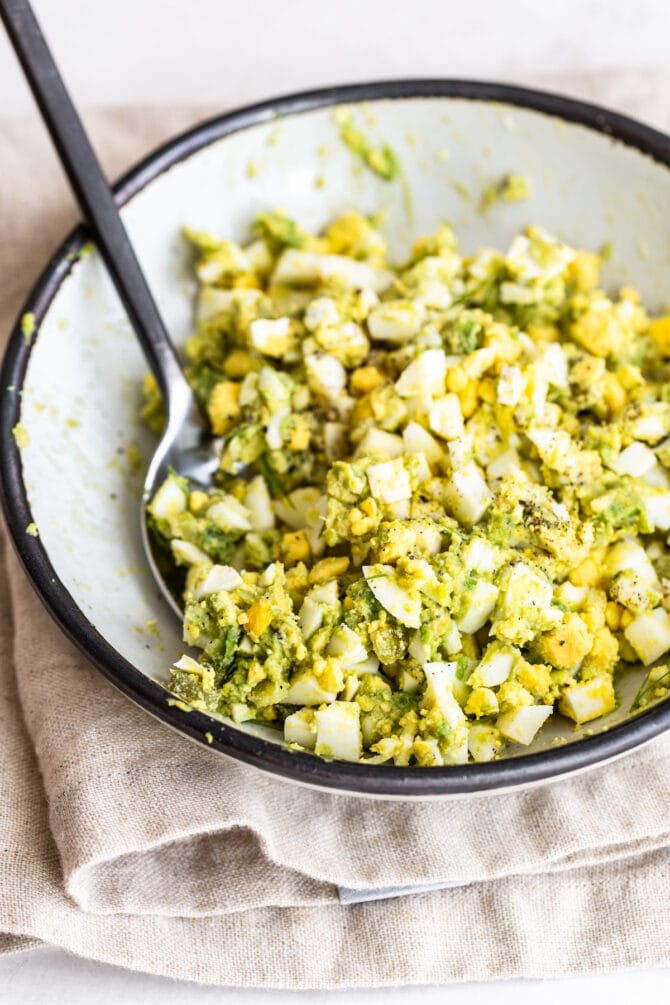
(95, 198)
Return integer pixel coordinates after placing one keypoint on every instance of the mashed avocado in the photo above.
(441, 512)
(382, 160)
(512, 188)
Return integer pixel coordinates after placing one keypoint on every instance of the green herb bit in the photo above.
(656, 684)
(273, 480)
(473, 292)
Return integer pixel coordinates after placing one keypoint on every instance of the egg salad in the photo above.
(441, 513)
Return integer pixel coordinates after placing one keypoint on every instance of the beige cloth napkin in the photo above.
(124, 842)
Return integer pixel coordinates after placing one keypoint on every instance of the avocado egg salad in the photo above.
(441, 514)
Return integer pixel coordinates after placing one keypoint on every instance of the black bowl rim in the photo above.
(339, 776)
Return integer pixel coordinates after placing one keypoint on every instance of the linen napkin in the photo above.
(124, 842)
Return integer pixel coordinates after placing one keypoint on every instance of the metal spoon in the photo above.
(186, 445)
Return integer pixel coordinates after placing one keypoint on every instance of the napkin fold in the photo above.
(124, 842)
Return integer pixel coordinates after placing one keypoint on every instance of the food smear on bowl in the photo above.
(512, 188)
(382, 160)
(441, 512)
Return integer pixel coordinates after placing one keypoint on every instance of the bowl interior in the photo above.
(84, 460)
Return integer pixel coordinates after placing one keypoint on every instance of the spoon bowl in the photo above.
(189, 450)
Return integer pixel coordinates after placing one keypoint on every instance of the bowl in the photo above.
(74, 386)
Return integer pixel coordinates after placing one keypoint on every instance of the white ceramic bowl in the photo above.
(595, 177)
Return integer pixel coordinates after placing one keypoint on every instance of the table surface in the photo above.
(58, 978)
(292, 49)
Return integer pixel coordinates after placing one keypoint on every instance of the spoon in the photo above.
(186, 446)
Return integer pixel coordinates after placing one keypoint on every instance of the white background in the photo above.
(228, 53)
(225, 52)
